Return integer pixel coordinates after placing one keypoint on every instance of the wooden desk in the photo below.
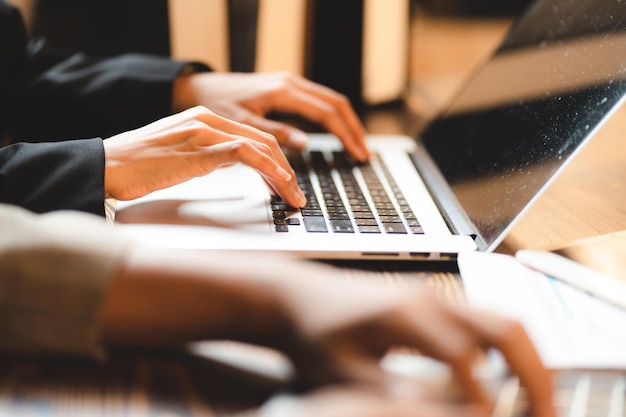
(158, 384)
(587, 199)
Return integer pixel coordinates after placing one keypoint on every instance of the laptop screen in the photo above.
(558, 74)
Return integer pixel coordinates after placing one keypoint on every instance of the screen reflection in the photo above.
(558, 74)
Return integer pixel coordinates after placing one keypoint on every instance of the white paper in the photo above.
(570, 328)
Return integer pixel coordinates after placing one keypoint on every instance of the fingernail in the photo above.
(302, 198)
(365, 156)
(298, 139)
(282, 174)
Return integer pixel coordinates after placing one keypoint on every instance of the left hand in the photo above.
(191, 144)
(248, 97)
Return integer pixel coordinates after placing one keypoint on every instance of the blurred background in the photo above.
(375, 51)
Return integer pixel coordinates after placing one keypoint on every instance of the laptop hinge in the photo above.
(448, 205)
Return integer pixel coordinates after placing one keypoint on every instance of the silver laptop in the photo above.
(459, 185)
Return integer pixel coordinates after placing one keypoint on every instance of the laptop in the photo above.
(459, 185)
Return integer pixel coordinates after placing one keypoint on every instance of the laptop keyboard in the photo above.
(345, 204)
(591, 394)
(577, 394)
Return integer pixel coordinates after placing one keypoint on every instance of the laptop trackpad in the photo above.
(232, 197)
(228, 213)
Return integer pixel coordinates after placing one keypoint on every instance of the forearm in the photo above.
(165, 298)
(54, 271)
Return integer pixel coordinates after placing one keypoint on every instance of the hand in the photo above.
(247, 98)
(333, 330)
(192, 144)
(342, 330)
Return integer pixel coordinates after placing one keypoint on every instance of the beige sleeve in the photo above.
(54, 272)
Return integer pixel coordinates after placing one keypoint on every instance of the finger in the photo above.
(444, 338)
(259, 157)
(521, 356)
(353, 365)
(285, 135)
(325, 113)
(452, 343)
(463, 371)
(408, 392)
(240, 129)
(457, 337)
(274, 191)
(227, 125)
(340, 102)
(237, 130)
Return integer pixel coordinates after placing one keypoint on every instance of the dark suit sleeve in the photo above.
(80, 96)
(53, 94)
(44, 177)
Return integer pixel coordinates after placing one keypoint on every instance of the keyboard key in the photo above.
(369, 229)
(342, 226)
(363, 208)
(410, 216)
(334, 202)
(386, 206)
(394, 228)
(387, 212)
(357, 201)
(293, 221)
(315, 224)
(366, 222)
(282, 207)
(338, 216)
(336, 209)
(390, 219)
(282, 228)
(308, 212)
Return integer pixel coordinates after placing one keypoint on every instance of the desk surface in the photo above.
(587, 199)
(164, 384)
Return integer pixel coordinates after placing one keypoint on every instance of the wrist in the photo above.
(183, 93)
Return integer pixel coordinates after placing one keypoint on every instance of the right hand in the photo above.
(249, 97)
(341, 330)
(333, 330)
(190, 144)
